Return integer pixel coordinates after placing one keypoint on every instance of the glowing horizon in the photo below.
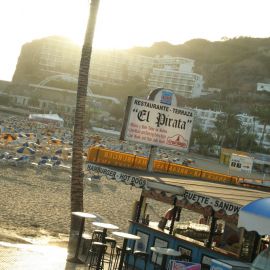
(123, 24)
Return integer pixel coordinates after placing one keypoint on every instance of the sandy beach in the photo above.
(38, 205)
(35, 207)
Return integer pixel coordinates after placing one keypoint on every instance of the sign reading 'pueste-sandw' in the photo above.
(157, 124)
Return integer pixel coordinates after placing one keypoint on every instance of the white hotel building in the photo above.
(116, 67)
(174, 73)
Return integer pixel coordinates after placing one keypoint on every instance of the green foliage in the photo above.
(227, 129)
(263, 114)
(205, 140)
(246, 142)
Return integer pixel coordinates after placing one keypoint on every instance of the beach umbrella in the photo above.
(58, 151)
(26, 144)
(56, 162)
(54, 158)
(21, 135)
(56, 141)
(8, 137)
(28, 135)
(30, 144)
(255, 216)
(26, 150)
(42, 162)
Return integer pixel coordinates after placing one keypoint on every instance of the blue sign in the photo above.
(166, 97)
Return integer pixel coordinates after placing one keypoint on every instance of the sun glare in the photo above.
(127, 23)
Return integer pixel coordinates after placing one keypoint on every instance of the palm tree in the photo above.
(263, 115)
(227, 127)
(76, 192)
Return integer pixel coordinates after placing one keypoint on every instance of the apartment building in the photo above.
(116, 67)
(176, 73)
(185, 84)
(58, 55)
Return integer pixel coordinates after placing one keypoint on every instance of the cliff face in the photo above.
(26, 69)
(45, 57)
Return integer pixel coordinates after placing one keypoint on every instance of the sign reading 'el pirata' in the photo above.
(157, 124)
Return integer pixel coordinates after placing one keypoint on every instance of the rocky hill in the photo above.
(235, 63)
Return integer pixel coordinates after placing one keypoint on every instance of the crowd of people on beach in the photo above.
(23, 141)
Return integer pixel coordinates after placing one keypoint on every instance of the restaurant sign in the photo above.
(241, 163)
(136, 181)
(204, 201)
(158, 124)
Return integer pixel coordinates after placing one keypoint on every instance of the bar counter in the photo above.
(153, 236)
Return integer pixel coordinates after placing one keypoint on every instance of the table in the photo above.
(126, 236)
(83, 216)
(105, 227)
(165, 252)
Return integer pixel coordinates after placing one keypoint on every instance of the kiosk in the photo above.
(219, 203)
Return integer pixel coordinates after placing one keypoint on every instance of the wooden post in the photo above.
(173, 217)
(212, 229)
(151, 158)
(139, 209)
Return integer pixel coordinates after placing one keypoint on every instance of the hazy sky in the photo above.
(127, 23)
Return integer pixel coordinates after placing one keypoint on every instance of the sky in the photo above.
(124, 24)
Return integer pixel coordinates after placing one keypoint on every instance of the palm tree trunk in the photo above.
(262, 137)
(76, 191)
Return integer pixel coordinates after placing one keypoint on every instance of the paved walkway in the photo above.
(30, 257)
(15, 256)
